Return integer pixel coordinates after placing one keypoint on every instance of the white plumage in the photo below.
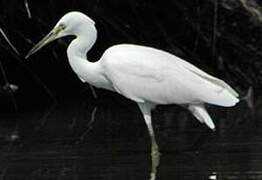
(145, 75)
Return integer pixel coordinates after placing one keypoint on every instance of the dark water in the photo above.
(100, 162)
(65, 145)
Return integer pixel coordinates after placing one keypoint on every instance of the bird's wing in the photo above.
(206, 76)
(147, 74)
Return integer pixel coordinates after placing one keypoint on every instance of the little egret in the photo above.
(145, 75)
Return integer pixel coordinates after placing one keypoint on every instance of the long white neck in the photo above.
(90, 72)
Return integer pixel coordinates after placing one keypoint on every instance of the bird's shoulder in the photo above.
(137, 56)
(136, 60)
(135, 50)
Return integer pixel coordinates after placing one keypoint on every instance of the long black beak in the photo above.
(47, 39)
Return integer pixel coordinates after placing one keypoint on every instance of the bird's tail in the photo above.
(199, 111)
(222, 97)
(221, 94)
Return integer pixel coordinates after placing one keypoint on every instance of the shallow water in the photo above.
(65, 145)
(125, 161)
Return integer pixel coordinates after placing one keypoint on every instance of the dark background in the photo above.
(44, 125)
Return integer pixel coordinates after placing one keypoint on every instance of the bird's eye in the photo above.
(62, 26)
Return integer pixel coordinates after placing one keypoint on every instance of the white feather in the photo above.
(199, 111)
(146, 74)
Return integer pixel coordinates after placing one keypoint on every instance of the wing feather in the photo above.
(147, 74)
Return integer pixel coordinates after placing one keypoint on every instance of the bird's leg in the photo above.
(146, 110)
(155, 154)
(154, 146)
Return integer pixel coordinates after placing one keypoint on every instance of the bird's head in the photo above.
(69, 24)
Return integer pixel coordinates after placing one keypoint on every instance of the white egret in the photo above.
(145, 75)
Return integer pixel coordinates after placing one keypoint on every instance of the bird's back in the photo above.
(148, 74)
